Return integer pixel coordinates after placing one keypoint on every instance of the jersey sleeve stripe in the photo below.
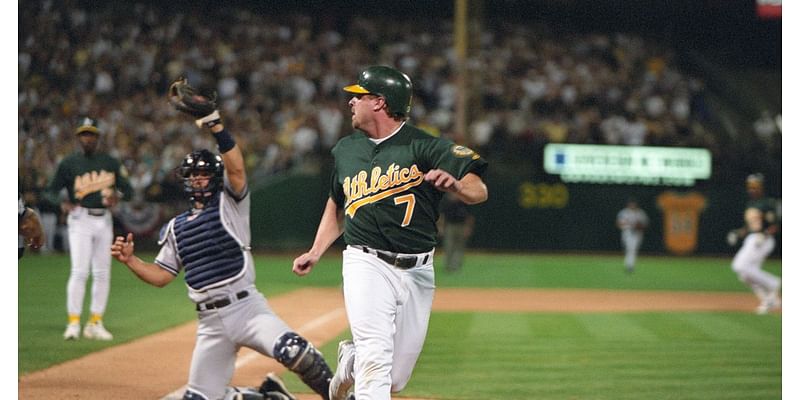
(170, 269)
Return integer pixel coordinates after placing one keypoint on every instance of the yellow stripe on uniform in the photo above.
(352, 208)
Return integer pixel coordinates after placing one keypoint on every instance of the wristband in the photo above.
(209, 120)
(225, 141)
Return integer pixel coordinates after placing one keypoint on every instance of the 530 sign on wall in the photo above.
(543, 195)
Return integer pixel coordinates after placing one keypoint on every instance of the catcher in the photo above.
(210, 242)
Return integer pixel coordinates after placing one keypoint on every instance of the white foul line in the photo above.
(249, 357)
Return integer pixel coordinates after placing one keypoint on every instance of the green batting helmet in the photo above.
(387, 82)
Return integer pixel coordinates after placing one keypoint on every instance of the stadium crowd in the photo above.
(281, 77)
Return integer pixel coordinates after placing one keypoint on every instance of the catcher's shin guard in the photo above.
(300, 357)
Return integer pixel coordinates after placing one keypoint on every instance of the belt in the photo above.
(221, 302)
(96, 212)
(399, 261)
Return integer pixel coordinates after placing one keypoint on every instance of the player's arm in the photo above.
(122, 250)
(232, 157)
(53, 189)
(122, 188)
(470, 189)
(330, 228)
(203, 107)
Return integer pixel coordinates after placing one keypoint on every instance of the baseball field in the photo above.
(507, 326)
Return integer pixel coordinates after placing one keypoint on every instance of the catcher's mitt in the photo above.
(31, 229)
(187, 99)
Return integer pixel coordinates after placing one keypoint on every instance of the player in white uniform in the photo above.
(95, 182)
(761, 224)
(632, 221)
(211, 243)
(388, 180)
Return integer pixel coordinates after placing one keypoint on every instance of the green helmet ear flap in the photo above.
(389, 83)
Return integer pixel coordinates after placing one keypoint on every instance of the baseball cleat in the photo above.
(768, 305)
(73, 332)
(343, 379)
(96, 331)
(273, 388)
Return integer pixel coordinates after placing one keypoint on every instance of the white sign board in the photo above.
(633, 165)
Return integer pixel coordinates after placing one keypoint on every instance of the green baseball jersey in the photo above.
(768, 207)
(89, 179)
(386, 202)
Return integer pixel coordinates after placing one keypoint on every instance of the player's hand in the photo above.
(302, 265)
(443, 181)
(732, 238)
(67, 207)
(122, 249)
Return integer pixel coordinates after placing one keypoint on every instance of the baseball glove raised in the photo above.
(187, 99)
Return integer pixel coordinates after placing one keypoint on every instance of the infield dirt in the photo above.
(156, 366)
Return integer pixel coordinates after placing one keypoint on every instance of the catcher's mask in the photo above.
(197, 164)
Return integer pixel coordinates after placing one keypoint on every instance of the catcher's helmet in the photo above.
(387, 82)
(201, 161)
(87, 124)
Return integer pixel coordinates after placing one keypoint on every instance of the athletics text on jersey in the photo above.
(89, 180)
(381, 189)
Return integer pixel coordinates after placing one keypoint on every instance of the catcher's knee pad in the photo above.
(300, 356)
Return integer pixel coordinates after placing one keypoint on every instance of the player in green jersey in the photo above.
(387, 181)
(94, 182)
(762, 222)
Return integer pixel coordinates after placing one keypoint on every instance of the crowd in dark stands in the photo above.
(279, 80)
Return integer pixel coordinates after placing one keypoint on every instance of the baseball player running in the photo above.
(211, 243)
(761, 224)
(388, 179)
(632, 221)
(95, 182)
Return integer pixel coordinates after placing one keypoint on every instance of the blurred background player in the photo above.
(761, 224)
(95, 182)
(632, 222)
(210, 242)
(457, 225)
(31, 232)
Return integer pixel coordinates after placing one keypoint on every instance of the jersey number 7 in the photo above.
(410, 201)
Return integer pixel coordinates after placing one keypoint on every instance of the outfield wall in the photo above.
(526, 213)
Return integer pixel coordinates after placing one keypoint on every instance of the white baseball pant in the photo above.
(748, 261)
(90, 238)
(388, 310)
(631, 240)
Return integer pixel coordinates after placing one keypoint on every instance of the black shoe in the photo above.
(273, 388)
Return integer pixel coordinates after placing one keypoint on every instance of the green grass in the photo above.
(472, 356)
(595, 272)
(483, 355)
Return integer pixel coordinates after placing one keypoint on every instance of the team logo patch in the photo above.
(463, 151)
